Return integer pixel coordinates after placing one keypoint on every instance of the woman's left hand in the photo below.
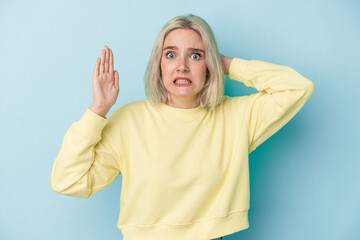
(226, 63)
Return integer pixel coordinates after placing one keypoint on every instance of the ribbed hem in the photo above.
(201, 230)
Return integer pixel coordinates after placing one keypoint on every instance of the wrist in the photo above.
(101, 111)
(226, 64)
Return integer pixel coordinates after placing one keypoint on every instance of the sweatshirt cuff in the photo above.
(237, 69)
(92, 123)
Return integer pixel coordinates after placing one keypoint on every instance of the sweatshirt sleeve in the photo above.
(282, 93)
(88, 160)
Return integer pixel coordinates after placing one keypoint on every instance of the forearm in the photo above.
(226, 63)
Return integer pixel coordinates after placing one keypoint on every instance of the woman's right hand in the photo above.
(105, 83)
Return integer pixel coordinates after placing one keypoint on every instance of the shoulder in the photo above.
(123, 113)
(130, 107)
(230, 102)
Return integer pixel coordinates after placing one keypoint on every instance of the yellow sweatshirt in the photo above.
(185, 171)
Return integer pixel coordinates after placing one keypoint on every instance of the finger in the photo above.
(102, 61)
(116, 76)
(111, 66)
(107, 59)
(97, 65)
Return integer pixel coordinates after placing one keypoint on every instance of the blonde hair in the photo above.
(213, 90)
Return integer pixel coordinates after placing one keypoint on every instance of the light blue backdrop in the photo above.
(304, 179)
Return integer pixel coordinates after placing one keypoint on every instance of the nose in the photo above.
(183, 65)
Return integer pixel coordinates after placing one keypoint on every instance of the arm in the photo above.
(226, 61)
(282, 93)
(88, 160)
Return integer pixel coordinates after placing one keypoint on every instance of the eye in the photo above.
(198, 56)
(169, 54)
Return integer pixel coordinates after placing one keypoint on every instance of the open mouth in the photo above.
(182, 82)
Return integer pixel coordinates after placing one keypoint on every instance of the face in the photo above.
(183, 57)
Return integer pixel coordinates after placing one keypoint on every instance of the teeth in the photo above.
(182, 81)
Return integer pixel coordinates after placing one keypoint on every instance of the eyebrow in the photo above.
(192, 49)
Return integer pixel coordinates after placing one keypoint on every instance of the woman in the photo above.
(183, 152)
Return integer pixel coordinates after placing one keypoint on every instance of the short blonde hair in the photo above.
(213, 90)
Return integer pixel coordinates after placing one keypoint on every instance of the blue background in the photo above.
(304, 179)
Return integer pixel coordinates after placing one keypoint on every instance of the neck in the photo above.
(185, 104)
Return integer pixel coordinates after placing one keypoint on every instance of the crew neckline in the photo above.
(166, 107)
(183, 114)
